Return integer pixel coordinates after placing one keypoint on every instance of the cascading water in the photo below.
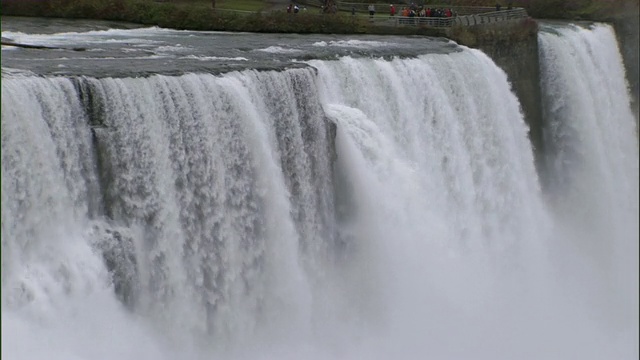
(592, 175)
(446, 194)
(198, 215)
(209, 181)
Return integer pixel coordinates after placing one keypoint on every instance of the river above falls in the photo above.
(112, 49)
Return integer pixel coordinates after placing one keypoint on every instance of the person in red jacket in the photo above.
(392, 10)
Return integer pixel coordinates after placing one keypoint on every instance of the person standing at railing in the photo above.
(372, 10)
(498, 6)
(392, 10)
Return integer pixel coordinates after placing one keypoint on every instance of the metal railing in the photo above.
(464, 15)
(423, 21)
(461, 20)
(383, 8)
(490, 17)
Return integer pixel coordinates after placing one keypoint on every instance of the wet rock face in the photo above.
(627, 31)
(118, 252)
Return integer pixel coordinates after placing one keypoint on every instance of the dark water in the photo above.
(121, 49)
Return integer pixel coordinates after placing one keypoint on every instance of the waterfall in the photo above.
(350, 208)
(445, 196)
(592, 172)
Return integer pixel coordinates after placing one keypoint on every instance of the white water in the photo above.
(442, 244)
(592, 159)
(450, 202)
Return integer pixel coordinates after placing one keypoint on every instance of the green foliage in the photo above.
(25, 7)
(197, 17)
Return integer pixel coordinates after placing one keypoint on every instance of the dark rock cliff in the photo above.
(627, 32)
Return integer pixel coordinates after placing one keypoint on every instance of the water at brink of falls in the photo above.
(341, 203)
